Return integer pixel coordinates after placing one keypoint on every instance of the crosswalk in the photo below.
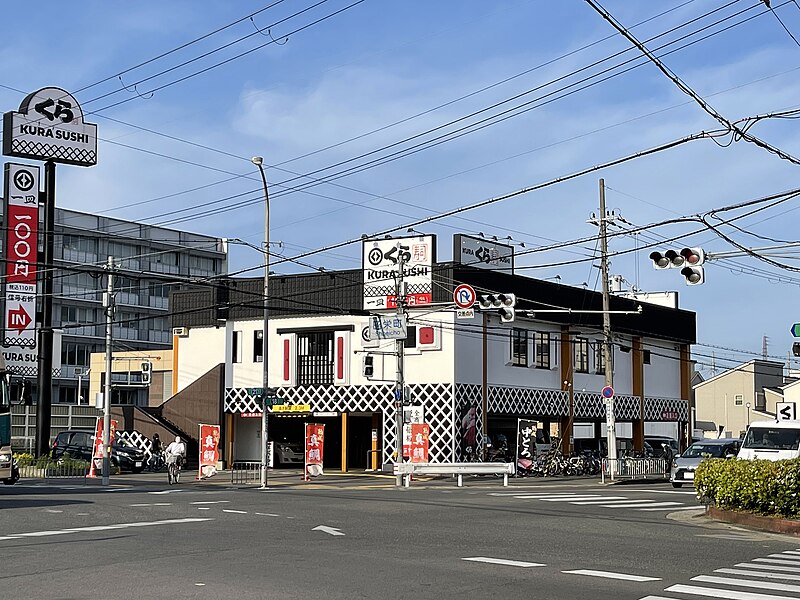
(616, 501)
(773, 577)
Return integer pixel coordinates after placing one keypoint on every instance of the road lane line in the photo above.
(765, 574)
(770, 567)
(606, 499)
(795, 552)
(152, 504)
(673, 508)
(211, 502)
(642, 505)
(503, 561)
(267, 514)
(656, 598)
(571, 498)
(203, 508)
(94, 528)
(543, 496)
(777, 561)
(721, 593)
(238, 512)
(611, 575)
(761, 585)
(785, 557)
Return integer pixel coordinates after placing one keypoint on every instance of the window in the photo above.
(127, 290)
(542, 343)
(76, 315)
(126, 325)
(76, 355)
(315, 358)
(599, 357)
(158, 294)
(581, 355)
(519, 347)
(80, 285)
(78, 248)
(236, 347)
(124, 254)
(646, 357)
(411, 337)
(258, 346)
(158, 330)
(202, 264)
(738, 399)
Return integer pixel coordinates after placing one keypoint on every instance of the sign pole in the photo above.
(400, 379)
(611, 427)
(108, 303)
(44, 380)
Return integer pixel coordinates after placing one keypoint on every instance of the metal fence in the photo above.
(246, 472)
(50, 469)
(634, 468)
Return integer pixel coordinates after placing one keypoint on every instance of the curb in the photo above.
(762, 523)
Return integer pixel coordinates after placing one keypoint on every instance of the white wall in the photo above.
(662, 377)
(202, 350)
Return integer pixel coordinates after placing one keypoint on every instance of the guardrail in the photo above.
(245, 472)
(49, 469)
(633, 468)
(456, 469)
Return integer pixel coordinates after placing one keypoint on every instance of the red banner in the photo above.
(315, 438)
(96, 465)
(419, 442)
(209, 450)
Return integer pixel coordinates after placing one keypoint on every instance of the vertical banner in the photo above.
(526, 438)
(209, 450)
(315, 438)
(96, 465)
(419, 442)
(21, 243)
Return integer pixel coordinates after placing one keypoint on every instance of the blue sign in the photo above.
(608, 392)
(795, 330)
(390, 327)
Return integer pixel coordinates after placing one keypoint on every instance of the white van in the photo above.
(771, 440)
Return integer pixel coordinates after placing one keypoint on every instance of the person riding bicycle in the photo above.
(175, 452)
(155, 453)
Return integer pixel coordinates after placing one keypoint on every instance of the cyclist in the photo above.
(175, 455)
(156, 460)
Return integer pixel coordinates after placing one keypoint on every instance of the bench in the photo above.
(458, 469)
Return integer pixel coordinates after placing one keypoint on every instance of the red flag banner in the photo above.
(419, 442)
(209, 450)
(96, 465)
(315, 438)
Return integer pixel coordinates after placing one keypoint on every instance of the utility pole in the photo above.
(399, 346)
(611, 433)
(108, 304)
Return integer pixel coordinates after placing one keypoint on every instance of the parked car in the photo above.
(79, 444)
(684, 466)
(771, 440)
(657, 441)
(289, 453)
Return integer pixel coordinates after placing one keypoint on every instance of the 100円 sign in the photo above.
(49, 126)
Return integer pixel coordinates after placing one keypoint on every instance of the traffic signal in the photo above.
(502, 303)
(693, 275)
(688, 260)
(693, 256)
(666, 260)
(796, 349)
(147, 372)
(368, 366)
(25, 393)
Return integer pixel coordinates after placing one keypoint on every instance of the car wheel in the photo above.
(675, 484)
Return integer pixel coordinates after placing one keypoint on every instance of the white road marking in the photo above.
(238, 512)
(611, 575)
(503, 561)
(199, 584)
(785, 557)
(50, 510)
(777, 561)
(541, 496)
(769, 567)
(152, 504)
(791, 552)
(328, 530)
(665, 492)
(569, 498)
(642, 505)
(267, 514)
(721, 593)
(761, 585)
(603, 501)
(92, 528)
(211, 502)
(164, 492)
(673, 508)
(203, 508)
(765, 574)
(656, 598)
(727, 536)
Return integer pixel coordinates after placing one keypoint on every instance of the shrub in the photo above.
(760, 486)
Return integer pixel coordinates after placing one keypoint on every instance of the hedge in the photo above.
(760, 486)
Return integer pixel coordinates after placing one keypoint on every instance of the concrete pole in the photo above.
(399, 293)
(108, 303)
(259, 162)
(611, 433)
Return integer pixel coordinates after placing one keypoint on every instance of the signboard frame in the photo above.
(482, 253)
(379, 262)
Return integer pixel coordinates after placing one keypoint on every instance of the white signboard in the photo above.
(389, 327)
(380, 261)
(25, 361)
(49, 126)
(483, 253)
(465, 313)
(785, 411)
(21, 249)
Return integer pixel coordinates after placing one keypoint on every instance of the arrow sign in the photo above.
(328, 530)
(795, 330)
(18, 319)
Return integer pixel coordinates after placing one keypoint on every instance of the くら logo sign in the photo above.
(49, 126)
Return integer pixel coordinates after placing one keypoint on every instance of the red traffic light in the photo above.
(693, 256)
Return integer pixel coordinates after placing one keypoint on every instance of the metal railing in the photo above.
(245, 472)
(634, 468)
(53, 469)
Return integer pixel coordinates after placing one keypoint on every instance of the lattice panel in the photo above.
(656, 409)
(79, 155)
(588, 405)
(437, 399)
(467, 396)
(528, 401)
(135, 439)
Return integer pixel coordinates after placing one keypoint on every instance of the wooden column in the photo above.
(566, 354)
(344, 442)
(637, 385)
(686, 393)
(375, 456)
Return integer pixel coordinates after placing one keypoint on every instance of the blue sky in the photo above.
(383, 72)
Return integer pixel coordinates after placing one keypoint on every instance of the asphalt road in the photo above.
(355, 537)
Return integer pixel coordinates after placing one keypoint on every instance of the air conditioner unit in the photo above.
(180, 331)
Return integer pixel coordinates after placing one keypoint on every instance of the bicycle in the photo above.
(156, 463)
(174, 471)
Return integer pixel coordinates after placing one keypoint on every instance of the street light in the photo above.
(259, 162)
(748, 413)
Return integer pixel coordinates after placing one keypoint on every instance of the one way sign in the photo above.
(785, 411)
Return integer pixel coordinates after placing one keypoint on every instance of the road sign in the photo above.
(465, 313)
(785, 411)
(795, 330)
(464, 296)
(607, 392)
(255, 391)
(390, 327)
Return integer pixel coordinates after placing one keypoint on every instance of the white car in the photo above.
(684, 466)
